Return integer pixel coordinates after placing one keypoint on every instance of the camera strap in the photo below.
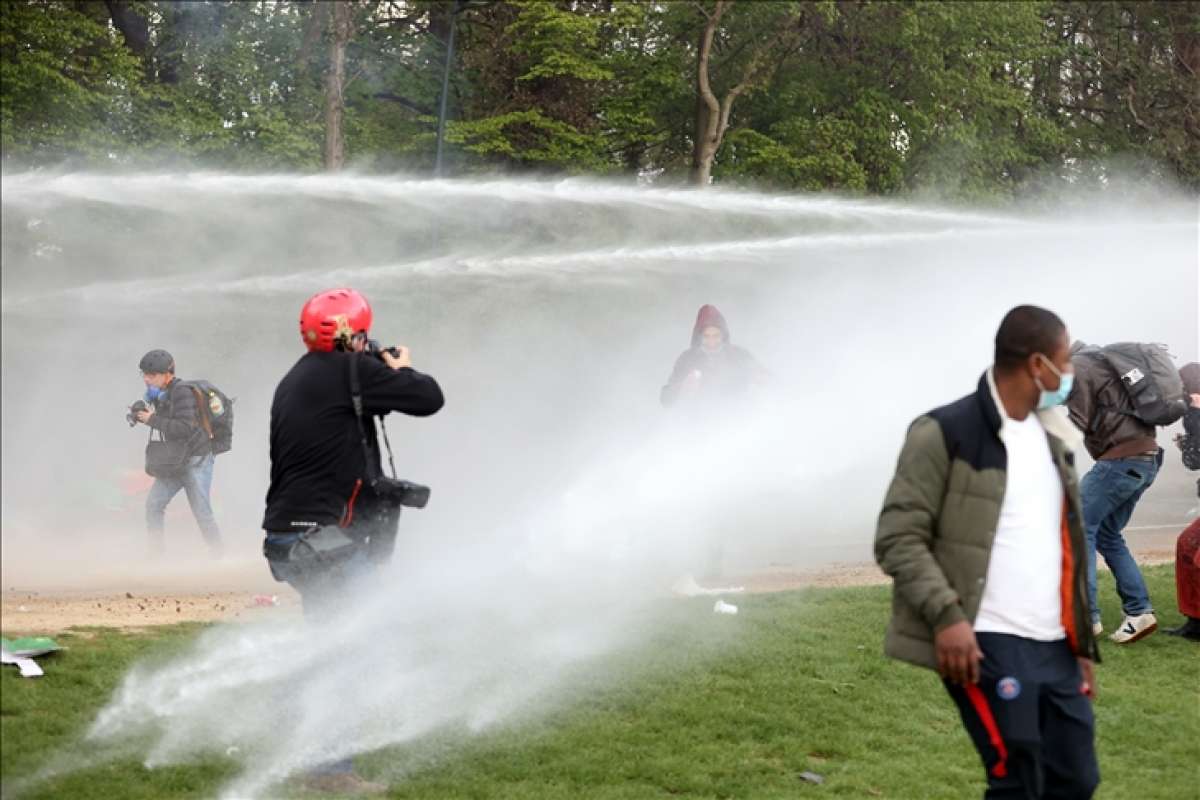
(357, 400)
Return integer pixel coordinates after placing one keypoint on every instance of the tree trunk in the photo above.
(132, 24)
(703, 152)
(335, 81)
(712, 115)
(707, 135)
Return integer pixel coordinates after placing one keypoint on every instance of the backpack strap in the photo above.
(205, 423)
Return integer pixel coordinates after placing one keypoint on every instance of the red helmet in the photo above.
(333, 315)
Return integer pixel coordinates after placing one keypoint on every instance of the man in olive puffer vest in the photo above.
(982, 532)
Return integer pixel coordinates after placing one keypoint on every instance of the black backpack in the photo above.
(1150, 379)
(215, 409)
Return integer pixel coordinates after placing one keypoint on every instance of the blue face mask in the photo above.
(1058, 396)
(153, 393)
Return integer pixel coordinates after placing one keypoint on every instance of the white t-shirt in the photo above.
(1022, 593)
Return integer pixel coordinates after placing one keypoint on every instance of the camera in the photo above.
(376, 349)
(403, 493)
(134, 410)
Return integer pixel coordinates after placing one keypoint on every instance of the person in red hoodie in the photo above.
(1187, 546)
(712, 369)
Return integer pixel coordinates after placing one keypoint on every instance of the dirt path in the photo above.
(47, 611)
(50, 594)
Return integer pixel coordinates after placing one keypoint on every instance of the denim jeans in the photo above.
(1109, 492)
(196, 481)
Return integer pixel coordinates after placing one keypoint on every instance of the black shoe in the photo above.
(1188, 630)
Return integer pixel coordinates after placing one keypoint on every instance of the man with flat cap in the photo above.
(172, 414)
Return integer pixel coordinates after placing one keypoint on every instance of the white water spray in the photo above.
(565, 499)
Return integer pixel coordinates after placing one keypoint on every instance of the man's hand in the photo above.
(1088, 673)
(958, 654)
(1195, 400)
(397, 361)
(144, 416)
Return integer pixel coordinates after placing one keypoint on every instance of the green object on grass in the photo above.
(30, 646)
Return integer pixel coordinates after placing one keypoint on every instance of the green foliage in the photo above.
(970, 100)
(528, 137)
(61, 74)
(799, 154)
(558, 42)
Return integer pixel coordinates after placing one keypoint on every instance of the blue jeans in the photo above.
(196, 481)
(1109, 493)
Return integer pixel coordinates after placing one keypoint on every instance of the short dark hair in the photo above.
(1024, 331)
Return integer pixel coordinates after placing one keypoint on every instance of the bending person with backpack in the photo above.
(1122, 393)
(192, 424)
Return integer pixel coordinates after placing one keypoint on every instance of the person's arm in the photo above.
(904, 549)
(398, 388)
(905, 531)
(182, 421)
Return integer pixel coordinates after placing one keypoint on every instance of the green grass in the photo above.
(715, 707)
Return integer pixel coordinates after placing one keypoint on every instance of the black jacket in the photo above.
(317, 457)
(177, 418)
(1190, 444)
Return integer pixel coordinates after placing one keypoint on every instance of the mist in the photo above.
(565, 499)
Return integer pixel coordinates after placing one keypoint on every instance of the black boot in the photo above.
(1188, 630)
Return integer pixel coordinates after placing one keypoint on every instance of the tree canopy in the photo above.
(977, 100)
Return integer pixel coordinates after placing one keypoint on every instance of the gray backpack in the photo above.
(1150, 379)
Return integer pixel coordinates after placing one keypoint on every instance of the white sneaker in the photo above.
(1097, 628)
(1134, 628)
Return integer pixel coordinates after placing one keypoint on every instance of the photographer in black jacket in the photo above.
(325, 522)
(170, 409)
(330, 515)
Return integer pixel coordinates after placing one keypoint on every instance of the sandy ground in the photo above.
(141, 595)
(196, 588)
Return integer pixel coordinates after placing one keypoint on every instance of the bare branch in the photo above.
(1133, 112)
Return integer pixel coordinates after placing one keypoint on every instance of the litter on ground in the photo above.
(687, 587)
(22, 653)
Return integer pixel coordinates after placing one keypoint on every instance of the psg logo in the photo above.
(1008, 688)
